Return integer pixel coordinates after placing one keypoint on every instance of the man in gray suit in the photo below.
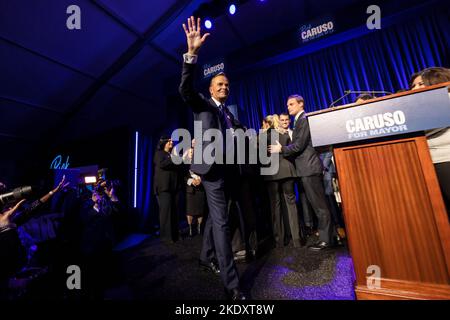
(309, 169)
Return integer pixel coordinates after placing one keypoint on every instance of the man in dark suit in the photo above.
(213, 114)
(309, 169)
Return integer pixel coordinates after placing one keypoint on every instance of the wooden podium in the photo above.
(397, 225)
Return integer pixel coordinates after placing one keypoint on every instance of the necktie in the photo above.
(226, 116)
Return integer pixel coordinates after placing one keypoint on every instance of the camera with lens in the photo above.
(15, 195)
(103, 183)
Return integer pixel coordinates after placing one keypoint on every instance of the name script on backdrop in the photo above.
(58, 164)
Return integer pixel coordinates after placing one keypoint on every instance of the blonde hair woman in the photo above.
(280, 187)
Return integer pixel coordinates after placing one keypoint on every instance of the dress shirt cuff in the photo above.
(190, 58)
(189, 182)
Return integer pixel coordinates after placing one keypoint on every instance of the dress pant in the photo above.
(216, 236)
(168, 215)
(313, 186)
(241, 212)
(306, 209)
(443, 174)
(283, 190)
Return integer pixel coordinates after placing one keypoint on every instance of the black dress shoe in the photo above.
(319, 246)
(337, 242)
(240, 256)
(236, 295)
(308, 231)
(296, 243)
(209, 266)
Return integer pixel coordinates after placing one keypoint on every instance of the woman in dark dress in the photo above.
(195, 201)
(166, 187)
(195, 197)
(280, 187)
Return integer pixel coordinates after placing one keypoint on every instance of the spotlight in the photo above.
(208, 24)
(232, 9)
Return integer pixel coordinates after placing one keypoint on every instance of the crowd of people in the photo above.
(232, 206)
(69, 225)
(299, 163)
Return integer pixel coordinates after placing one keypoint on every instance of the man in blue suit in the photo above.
(213, 114)
(309, 169)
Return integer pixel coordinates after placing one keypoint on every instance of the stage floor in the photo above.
(153, 270)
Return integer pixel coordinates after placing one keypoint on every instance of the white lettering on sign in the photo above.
(309, 33)
(377, 124)
(207, 71)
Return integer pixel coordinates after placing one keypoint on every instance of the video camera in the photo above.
(103, 183)
(15, 195)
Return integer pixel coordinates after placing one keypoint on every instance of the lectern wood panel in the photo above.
(394, 215)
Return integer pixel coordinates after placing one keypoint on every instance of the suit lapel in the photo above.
(298, 125)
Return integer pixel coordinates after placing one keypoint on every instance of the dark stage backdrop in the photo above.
(381, 60)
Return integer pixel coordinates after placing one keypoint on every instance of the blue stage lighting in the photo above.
(232, 9)
(208, 24)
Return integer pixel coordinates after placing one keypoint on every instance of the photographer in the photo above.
(98, 237)
(10, 247)
(22, 216)
(12, 254)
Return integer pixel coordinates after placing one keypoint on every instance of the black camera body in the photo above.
(15, 195)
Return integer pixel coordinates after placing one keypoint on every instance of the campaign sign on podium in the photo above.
(420, 111)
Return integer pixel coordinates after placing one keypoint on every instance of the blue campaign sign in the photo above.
(317, 29)
(212, 68)
(419, 111)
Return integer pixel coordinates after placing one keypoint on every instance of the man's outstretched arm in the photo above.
(194, 41)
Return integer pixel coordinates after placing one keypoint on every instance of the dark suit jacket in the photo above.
(167, 174)
(205, 110)
(98, 230)
(329, 171)
(307, 161)
(286, 168)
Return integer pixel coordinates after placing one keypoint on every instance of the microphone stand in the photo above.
(336, 101)
(347, 92)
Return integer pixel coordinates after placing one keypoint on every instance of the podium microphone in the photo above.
(371, 92)
(347, 92)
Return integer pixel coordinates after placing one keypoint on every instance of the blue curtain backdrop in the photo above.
(145, 200)
(381, 60)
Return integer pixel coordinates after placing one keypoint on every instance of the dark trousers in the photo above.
(241, 213)
(283, 190)
(168, 215)
(216, 236)
(313, 186)
(307, 212)
(443, 174)
(336, 213)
